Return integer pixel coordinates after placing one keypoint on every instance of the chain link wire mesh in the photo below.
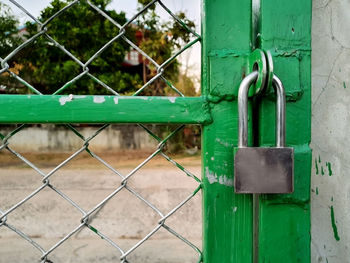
(5, 215)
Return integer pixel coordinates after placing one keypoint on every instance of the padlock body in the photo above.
(264, 170)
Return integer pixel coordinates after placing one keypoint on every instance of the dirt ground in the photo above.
(120, 159)
(125, 219)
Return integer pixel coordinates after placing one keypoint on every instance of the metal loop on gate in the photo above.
(257, 62)
(270, 68)
(262, 62)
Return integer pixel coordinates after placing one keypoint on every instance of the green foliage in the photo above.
(160, 41)
(8, 31)
(83, 31)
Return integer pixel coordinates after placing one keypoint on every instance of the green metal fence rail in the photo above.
(104, 109)
(273, 228)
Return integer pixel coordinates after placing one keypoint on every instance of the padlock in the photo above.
(268, 170)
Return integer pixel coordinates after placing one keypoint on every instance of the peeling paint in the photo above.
(116, 100)
(172, 99)
(322, 171)
(316, 190)
(235, 209)
(63, 100)
(226, 144)
(214, 178)
(334, 226)
(225, 181)
(316, 166)
(99, 99)
(79, 96)
(344, 85)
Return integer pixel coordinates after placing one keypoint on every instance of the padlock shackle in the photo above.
(280, 111)
(243, 110)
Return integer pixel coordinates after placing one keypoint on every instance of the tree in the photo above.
(160, 41)
(83, 31)
(9, 39)
(8, 30)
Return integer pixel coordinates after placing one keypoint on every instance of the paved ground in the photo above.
(95, 251)
(125, 219)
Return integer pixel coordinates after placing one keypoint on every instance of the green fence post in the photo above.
(285, 29)
(227, 226)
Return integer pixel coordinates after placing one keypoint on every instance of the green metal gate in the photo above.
(229, 35)
(276, 228)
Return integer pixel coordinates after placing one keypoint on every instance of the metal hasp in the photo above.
(262, 169)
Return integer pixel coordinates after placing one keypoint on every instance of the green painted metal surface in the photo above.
(283, 233)
(227, 226)
(285, 30)
(103, 109)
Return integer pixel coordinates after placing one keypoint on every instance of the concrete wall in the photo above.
(51, 138)
(331, 131)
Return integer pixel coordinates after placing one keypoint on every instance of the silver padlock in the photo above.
(263, 169)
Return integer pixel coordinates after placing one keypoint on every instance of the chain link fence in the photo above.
(86, 215)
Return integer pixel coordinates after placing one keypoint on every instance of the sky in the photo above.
(190, 57)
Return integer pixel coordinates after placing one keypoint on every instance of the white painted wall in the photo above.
(331, 131)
